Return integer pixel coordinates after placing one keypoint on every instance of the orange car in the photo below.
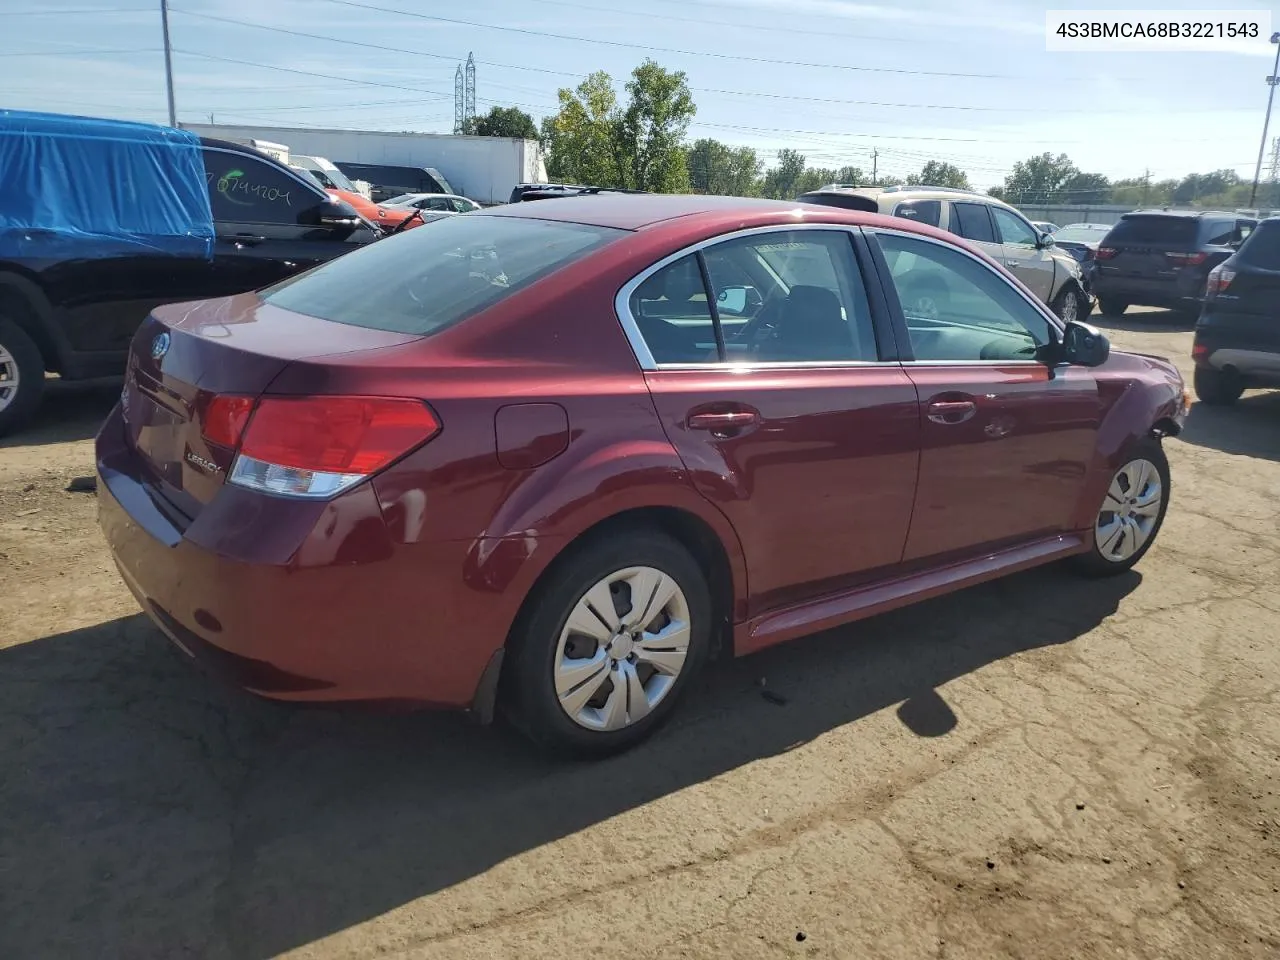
(431, 206)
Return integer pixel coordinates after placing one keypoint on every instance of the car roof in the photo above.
(1187, 214)
(707, 215)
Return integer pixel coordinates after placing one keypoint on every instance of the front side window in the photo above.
(922, 211)
(959, 309)
(421, 281)
(244, 189)
(973, 222)
(788, 296)
(1014, 229)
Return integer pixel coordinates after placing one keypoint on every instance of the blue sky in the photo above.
(1115, 113)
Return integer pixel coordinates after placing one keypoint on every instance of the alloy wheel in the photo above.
(1070, 308)
(9, 377)
(1130, 510)
(622, 648)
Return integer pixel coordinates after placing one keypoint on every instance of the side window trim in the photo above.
(902, 335)
(644, 356)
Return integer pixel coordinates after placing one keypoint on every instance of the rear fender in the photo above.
(23, 301)
(568, 497)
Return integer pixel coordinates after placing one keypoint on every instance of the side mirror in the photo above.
(1044, 240)
(1085, 345)
(737, 300)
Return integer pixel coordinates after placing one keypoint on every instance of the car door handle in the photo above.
(723, 422)
(952, 411)
(245, 240)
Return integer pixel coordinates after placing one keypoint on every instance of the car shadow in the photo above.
(1144, 321)
(71, 410)
(149, 812)
(1250, 427)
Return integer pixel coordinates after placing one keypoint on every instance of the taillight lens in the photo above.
(1220, 278)
(315, 446)
(224, 419)
(1106, 253)
(1199, 352)
(1188, 259)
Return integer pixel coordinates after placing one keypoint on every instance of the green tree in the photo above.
(848, 174)
(936, 173)
(594, 140)
(1041, 179)
(781, 182)
(1087, 188)
(717, 168)
(503, 122)
(1206, 187)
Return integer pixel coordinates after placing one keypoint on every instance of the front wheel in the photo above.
(1131, 513)
(610, 643)
(1070, 304)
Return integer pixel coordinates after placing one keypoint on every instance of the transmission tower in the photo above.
(459, 101)
(470, 105)
(1273, 173)
(464, 95)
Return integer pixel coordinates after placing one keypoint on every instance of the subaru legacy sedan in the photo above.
(549, 459)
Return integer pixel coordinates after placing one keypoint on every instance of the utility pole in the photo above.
(875, 164)
(1146, 185)
(1271, 95)
(168, 61)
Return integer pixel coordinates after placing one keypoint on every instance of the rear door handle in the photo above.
(952, 411)
(245, 240)
(723, 422)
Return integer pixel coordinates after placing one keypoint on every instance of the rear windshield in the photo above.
(1262, 249)
(438, 274)
(1164, 230)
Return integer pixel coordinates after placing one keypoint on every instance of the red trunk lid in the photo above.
(185, 354)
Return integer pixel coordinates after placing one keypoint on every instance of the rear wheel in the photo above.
(1219, 388)
(610, 643)
(1112, 307)
(21, 377)
(1131, 513)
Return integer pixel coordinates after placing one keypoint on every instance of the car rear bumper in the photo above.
(1249, 344)
(1183, 292)
(370, 622)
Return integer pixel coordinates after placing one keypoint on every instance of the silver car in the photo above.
(993, 226)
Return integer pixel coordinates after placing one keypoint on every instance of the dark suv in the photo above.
(1237, 343)
(1162, 258)
(71, 300)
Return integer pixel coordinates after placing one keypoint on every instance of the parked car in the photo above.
(1237, 340)
(998, 229)
(101, 220)
(330, 176)
(388, 180)
(421, 472)
(1081, 240)
(1044, 226)
(1162, 258)
(425, 206)
(361, 204)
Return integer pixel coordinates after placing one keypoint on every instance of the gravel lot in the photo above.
(1041, 767)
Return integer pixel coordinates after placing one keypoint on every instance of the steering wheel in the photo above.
(758, 327)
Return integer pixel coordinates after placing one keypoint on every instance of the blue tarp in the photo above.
(81, 187)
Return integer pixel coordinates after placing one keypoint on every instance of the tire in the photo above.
(1112, 307)
(530, 696)
(1218, 388)
(1103, 562)
(1061, 303)
(19, 359)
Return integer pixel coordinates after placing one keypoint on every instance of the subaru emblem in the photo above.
(160, 346)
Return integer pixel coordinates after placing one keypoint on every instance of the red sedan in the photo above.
(551, 456)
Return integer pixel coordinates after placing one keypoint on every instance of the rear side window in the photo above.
(424, 280)
(973, 222)
(1220, 233)
(1262, 249)
(244, 189)
(1155, 230)
(922, 211)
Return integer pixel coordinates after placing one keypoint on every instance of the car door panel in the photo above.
(1006, 461)
(819, 486)
(1029, 262)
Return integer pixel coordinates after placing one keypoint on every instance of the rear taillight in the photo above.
(1106, 253)
(315, 446)
(1188, 259)
(1199, 352)
(1220, 278)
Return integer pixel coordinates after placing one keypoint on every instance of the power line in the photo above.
(690, 53)
(37, 12)
(434, 94)
(80, 53)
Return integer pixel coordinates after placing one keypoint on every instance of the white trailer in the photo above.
(482, 168)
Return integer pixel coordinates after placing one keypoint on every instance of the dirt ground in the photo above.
(1038, 768)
